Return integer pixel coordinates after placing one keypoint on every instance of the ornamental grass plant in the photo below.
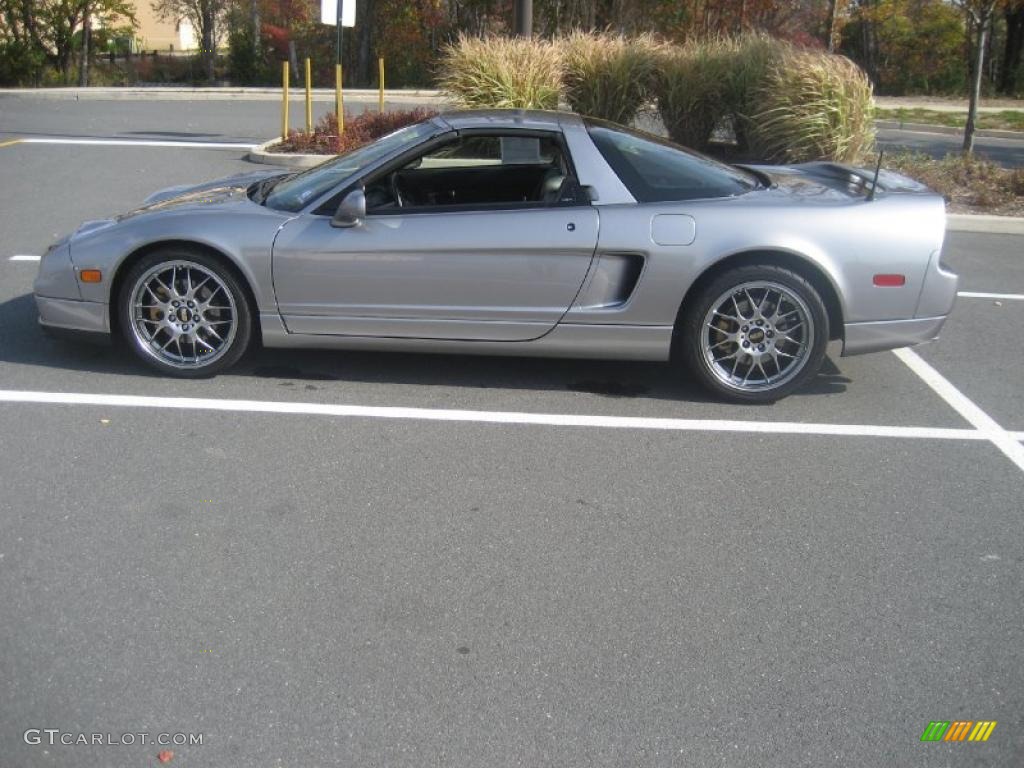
(608, 76)
(502, 72)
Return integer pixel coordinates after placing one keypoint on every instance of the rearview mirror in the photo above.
(351, 211)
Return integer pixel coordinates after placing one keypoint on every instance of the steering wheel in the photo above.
(396, 191)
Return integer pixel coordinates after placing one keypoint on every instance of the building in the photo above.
(156, 34)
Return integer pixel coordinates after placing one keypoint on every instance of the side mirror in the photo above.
(572, 191)
(351, 211)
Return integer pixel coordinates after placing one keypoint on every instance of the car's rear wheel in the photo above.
(184, 313)
(755, 333)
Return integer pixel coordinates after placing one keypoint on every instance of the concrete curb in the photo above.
(209, 94)
(955, 222)
(260, 154)
(984, 224)
(947, 130)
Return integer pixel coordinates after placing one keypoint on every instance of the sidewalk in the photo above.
(939, 104)
(273, 93)
(178, 93)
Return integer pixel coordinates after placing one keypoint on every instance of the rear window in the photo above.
(655, 170)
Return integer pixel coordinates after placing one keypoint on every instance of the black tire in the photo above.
(241, 311)
(692, 348)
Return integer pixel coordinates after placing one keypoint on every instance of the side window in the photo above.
(500, 170)
(655, 170)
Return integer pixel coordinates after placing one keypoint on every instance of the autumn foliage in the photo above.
(358, 131)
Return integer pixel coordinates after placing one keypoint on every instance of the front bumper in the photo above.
(59, 302)
(70, 315)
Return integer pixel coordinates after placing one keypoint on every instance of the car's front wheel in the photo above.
(754, 333)
(184, 313)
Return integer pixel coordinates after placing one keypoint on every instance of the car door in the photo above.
(482, 268)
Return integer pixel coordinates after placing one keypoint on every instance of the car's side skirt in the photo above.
(600, 342)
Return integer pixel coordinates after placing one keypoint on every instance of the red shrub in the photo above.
(360, 130)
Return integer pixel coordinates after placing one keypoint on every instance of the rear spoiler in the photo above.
(863, 180)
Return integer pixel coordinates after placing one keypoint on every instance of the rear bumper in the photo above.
(934, 303)
(861, 338)
(70, 315)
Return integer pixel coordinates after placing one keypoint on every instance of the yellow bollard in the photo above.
(284, 101)
(338, 104)
(309, 100)
(380, 68)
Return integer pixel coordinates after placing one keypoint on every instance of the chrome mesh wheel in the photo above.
(757, 336)
(183, 314)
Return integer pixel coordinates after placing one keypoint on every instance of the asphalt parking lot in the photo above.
(652, 578)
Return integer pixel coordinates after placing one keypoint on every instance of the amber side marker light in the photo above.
(889, 281)
(90, 276)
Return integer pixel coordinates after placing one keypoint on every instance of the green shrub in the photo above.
(608, 76)
(247, 62)
(20, 63)
(501, 72)
(811, 106)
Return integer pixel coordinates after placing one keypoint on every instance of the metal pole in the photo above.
(309, 98)
(339, 108)
(380, 67)
(284, 101)
(339, 28)
(523, 17)
(338, 105)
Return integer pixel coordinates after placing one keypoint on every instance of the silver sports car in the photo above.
(518, 233)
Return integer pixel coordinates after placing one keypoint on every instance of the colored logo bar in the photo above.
(958, 730)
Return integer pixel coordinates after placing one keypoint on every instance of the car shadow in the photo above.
(23, 342)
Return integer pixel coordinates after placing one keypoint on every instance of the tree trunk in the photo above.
(364, 43)
(83, 67)
(830, 27)
(522, 17)
(257, 31)
(1013, 49)
(979, 69)
(208, 35)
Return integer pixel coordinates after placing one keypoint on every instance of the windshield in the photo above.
(296, 192)
(656, 170)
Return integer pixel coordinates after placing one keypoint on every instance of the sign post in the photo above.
(341, 13)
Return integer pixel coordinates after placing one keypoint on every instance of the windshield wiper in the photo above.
(762, 179)
(263, 188)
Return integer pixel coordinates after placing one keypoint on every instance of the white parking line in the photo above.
(24, 257)
(492, 417)
(141, 143)
(984, 423)
(976, 295)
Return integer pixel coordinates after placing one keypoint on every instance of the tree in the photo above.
(205, 17)
(979, 13)
(908, 46)
(49, 26)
